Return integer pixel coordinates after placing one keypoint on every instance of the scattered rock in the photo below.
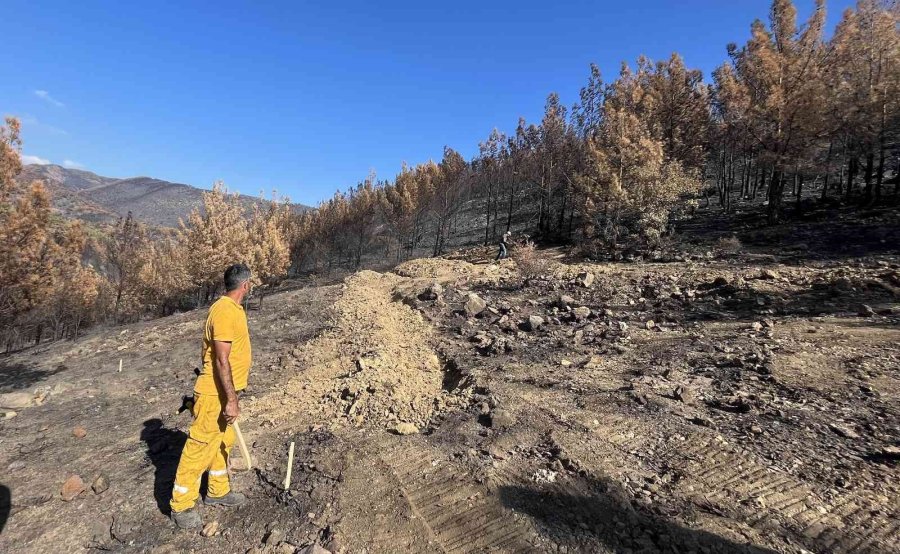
(501, 418)
(79, 432)
(769, 274)
(756, 326)
(581, 313)
(533, 323)
(100, 484)
(210, 529)
(16, 400)
(564, 301)
(865, 310)
(686, 395)
(892, 452)
(565, 363)
(432, 292)
(544, 476)
(10, 414)
(585, 279)
(72, 488)
(650, 324)
(405, 429)
(273, 537)
(474, 305)
(313, 549)
(843, 430)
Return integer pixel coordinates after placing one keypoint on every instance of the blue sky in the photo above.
(308, 99)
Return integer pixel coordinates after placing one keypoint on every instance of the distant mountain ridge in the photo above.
(85, 195)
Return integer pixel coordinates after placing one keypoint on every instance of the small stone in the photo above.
(581, 312)
(533, 323)
(72, 488)
(686, 395)
(432, 292)
(756, 326)
(891, 452)
(650, 324)
(756, 429)
(843, 430)
(79, 432)
(273, 537)
(16, 400)
(769, 274)
(210, 529)
(100, 484)
(585, 279)
(501, 418)
(564, 301)
(10, 414)
(474, 305)
(566, 363)
(865, 310)
(405, 429)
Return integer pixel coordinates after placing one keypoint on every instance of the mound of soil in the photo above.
(375, 365)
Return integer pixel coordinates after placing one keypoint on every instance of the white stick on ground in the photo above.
(120, 365)
(244, 452)
(287, 478)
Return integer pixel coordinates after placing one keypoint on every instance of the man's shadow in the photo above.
(5, 505)
(164, 450)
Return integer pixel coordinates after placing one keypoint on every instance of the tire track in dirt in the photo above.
(459, 514)
(734, 480)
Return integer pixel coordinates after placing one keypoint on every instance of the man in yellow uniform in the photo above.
(226, 366)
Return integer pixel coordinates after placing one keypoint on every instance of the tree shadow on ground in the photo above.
(164, 447)
(599, 512)
(835, 298)
(20, 376)
(5, 505)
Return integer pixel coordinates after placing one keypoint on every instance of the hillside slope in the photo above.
(85, 195)
(721, 403)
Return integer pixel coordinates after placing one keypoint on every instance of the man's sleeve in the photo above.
(223, 326)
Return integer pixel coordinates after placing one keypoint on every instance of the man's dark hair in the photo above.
(235, 275)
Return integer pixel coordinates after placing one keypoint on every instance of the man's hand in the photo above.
(232, 410)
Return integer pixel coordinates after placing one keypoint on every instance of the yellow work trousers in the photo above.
(207, 448)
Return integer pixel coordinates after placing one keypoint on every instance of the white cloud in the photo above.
(36, 160)
(32, 122)
(44, 95)
(73, 165)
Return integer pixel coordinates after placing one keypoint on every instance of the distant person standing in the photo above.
(226, 367)
(504, 246)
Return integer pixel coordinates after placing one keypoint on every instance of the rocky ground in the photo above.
(715, 397)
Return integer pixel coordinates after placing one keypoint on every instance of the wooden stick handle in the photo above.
(287, 478)
(244, 452)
